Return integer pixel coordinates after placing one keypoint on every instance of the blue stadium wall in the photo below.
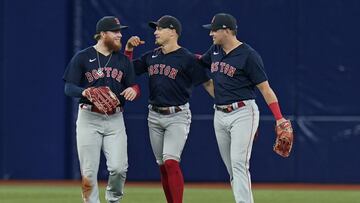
(310, 51)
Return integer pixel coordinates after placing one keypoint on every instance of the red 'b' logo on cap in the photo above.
(117, 21)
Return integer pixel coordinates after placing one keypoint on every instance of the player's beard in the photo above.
(161, 41)
(158, 42)
(216, 41)
(112, 44)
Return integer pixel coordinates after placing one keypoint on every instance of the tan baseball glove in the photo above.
(284, 138)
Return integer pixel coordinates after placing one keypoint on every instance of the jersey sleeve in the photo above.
(255, 68)
(140, 65)
(198, 74)
(74, 71)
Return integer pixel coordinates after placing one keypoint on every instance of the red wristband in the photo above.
(129, 54)
(136, 87)
(275, 109)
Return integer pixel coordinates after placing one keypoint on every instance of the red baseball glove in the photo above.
(284, 139)
(103, 98)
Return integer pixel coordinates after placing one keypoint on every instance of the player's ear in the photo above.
(174, 33)
(228, 31)
(102, 34)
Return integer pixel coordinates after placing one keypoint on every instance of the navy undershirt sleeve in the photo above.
(73, 90)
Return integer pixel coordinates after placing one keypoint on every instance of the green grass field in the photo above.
(154, 194)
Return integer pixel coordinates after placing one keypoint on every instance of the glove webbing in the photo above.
(104, 100)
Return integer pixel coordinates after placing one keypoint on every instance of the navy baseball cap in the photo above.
(167, 22)
(109, 23)
(222, 21)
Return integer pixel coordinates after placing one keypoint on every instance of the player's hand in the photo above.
(133, 41)
(129, 93)
(83, 93)
(278, 122)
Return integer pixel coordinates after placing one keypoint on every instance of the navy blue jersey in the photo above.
(235, 74)
(171, 76)
(83, 72)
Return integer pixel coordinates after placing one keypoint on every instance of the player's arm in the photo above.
(133, 90)
(271, 100)
(200, 73)
(209, 87)
(255, 70)
(205, 59)
(131, 93)
(139, 64)
(72, 77)
(73, 90)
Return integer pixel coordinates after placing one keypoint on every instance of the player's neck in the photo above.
(101, 48)
(231, 44)
(170, 47)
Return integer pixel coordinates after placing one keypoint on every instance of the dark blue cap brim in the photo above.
(153, 24)
(119, 28)
(113, 29)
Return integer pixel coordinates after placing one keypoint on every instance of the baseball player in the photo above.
(173, 71)
(236, 69)
(95, 66)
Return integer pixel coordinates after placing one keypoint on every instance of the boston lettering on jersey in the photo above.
(109, 72)
(162, 69)
(223, 68)
(172, 76)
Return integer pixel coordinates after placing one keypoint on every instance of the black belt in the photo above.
(229, 108)
(165, 110)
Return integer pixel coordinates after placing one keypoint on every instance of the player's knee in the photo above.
(239, 159)
(119, 171)
(89, 175)
(239, 164)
